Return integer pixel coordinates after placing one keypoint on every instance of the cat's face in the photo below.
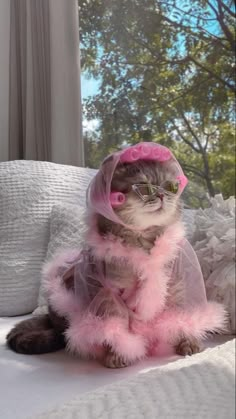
(145, 210)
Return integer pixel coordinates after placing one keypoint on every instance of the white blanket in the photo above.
(202, 386)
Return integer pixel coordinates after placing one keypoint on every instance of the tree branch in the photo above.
(184, 12)
(185, 92)
(220, 40)
(192, 132)
(220, 17)
(180, 61)
(224, 27)
(212, 7)
(228, 10)
(185, 139)
(224, 82)
(208, 136)
(193, 169)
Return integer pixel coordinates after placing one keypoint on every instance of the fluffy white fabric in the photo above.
(201, 386)
(28, 191)
(214, 242)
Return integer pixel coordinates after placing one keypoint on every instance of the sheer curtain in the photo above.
(40, 100)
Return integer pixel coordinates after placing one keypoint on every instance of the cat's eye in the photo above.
(171, 187)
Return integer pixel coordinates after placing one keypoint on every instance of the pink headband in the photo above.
(145, 151)
(101, 200)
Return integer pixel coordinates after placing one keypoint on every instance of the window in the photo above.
(162, 71)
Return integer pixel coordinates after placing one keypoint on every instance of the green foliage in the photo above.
(166, 72)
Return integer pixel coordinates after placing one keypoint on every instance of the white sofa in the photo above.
(40, 205)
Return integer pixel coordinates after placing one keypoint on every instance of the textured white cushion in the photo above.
(195, 387)
(65, 233)
(28, 191)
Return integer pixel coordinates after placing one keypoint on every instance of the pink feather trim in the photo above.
(153, 326)
(90, 333)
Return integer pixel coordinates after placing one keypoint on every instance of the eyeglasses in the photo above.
(149, 192)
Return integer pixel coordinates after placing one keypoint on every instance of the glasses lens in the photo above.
(170, 187)
(145, 191)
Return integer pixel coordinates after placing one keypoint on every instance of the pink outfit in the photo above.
(167, 299)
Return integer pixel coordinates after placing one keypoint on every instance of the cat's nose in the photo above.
(154, 198)
(161, 196)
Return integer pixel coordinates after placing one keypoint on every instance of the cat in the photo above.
(152, 213)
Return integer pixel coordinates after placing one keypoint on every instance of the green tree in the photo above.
(166, 72)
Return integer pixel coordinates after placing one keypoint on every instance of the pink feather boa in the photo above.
(155, 325)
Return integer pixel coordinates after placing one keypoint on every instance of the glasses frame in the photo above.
(159, 190)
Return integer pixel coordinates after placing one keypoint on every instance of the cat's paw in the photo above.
(187, 346)
(113, 360)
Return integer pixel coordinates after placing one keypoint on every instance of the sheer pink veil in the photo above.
(100, 198)
(90, 272)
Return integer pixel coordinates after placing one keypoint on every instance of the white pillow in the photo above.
(28, 191)
(66, 229)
